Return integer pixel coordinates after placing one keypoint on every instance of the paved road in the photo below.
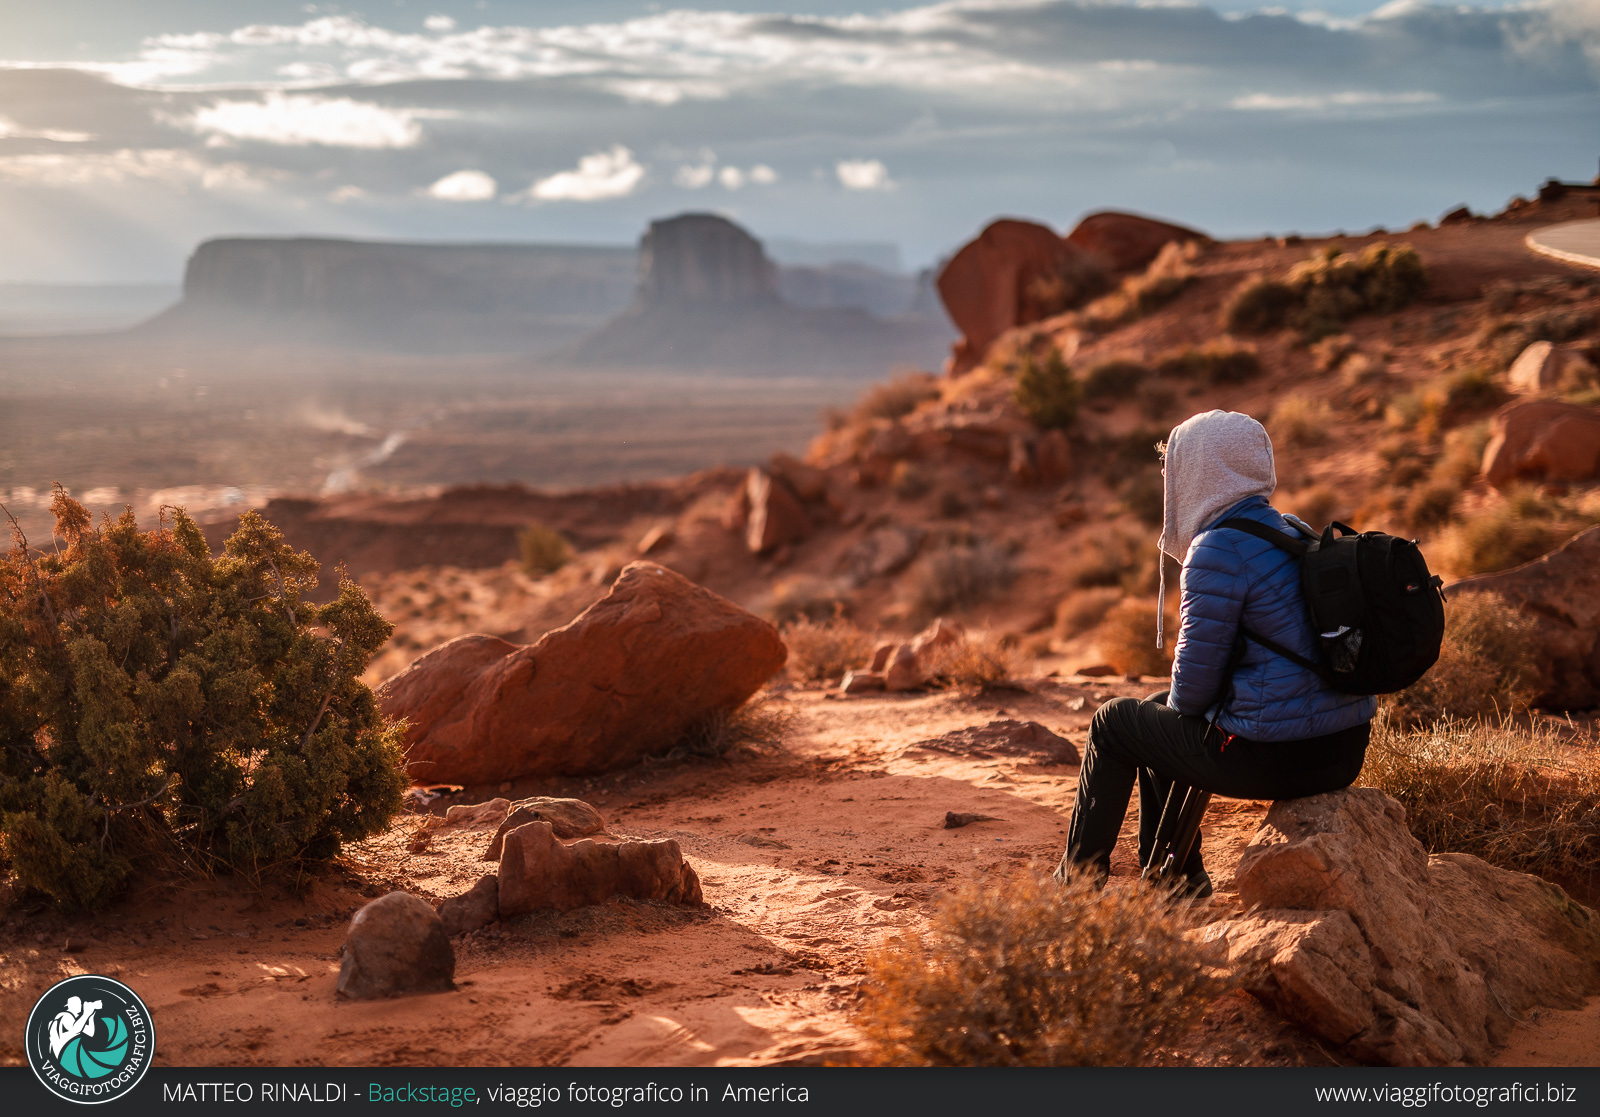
(1576, 242)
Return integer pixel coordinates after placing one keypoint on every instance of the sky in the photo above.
(130, 132)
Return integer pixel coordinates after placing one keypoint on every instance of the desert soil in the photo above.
(812, 854)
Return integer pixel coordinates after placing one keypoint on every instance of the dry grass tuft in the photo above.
(1487, 665)
(825, 649)
(1504, 534)
(1218, 362)
(960, 577)
(895, 398)
(980, 661)
(1299, 420)
(1127, 638)
(760, 721)
(544, 549)
(1024, 972)
(1079, 612)
(1515, 795)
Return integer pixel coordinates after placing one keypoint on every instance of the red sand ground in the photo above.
(811, 855)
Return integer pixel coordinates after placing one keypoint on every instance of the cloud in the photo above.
(598, 177)
(179, 170)
(439, 23)
(464, 186)
(863, 174)
(694, 177)
(297, 120)
(9, 130)
(732, 178)
(1324, 102)
(763, 175)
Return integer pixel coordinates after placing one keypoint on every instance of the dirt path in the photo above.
(810, 857)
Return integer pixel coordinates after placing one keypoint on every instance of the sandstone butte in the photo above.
(628, 678)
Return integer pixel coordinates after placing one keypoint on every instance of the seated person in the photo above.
(1280, 732)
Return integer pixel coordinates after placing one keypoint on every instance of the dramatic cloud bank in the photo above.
(917, 124)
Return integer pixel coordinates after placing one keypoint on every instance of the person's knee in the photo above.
(1114, 713)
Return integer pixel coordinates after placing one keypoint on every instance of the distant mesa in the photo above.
(709, 297)
(698, 292)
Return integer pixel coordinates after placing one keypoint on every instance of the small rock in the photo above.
(570, 818)
(396, 946)
(1097, 671)
(881, 654)
(761, 842)
(537, 872)
(861, 682)
(471, 816)
(903, 672)
(477, 907)
(776, 517)
(658, 538)
(955, 820)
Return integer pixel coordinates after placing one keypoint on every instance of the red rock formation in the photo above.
(1543, 367)
(626, 679)
(1126, 242)
(1402, 958)
(1543, 439)
(775, 515)
(985, 286)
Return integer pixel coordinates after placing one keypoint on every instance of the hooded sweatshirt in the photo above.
(1214, 460)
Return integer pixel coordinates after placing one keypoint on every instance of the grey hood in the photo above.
(1214, 460)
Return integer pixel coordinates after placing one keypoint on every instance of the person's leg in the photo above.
(1125, 736)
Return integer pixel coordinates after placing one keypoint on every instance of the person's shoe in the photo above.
(1198, 886)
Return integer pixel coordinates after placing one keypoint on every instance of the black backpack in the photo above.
(1377, 611)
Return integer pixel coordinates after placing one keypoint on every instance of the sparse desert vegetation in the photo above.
(1028, 972)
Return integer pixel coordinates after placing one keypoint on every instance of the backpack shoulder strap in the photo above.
(1291, 543)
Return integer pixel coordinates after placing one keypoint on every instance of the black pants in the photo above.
(1152, 742)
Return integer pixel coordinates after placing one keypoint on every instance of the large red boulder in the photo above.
(1126, 242)
(989, 286)
(627, 679)
(1543, 440)
(1560, 593)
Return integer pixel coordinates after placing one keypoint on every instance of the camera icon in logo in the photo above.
(90, 1039)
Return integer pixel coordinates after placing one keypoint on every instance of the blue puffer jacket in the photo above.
(1229, 575)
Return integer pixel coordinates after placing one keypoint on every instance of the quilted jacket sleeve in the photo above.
(1213, 592)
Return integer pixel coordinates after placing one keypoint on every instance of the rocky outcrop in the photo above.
(700, 258)
(396, 946)
(538, 871)
(991, 284)
(1544, 367)
(1543, 440)
(628, 678)
(1403, 959)
(568, 818)
(1026, 740)
(477, 907)
(708, 298)
(775, 516)
(1560, 593)
(1126, 242)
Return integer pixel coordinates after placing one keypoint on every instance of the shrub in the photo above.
(1473, 388)
(825, 649)
(1105, 559)
(1432, 505)
(895, 398)
(1504, 534)
(760, 721)
(1258, 305)
(1461, 459)
(1164, 280)
(1127, 638)
(980, 661)
(544, 549)
(1024, 972)
(1220, 362)
(806, 597)
(1299, 420)
(1321, 293)
(161, 705)
(1114, 379)
(1508, 793)
(960, 577)
(908, 482)
(1047, 391)
(952, 504)
(1331, 352)
(1073, 281)
(1080, 611)
(1143, 495)
(1317, 505)
(1156, 399)
(1487, 664)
